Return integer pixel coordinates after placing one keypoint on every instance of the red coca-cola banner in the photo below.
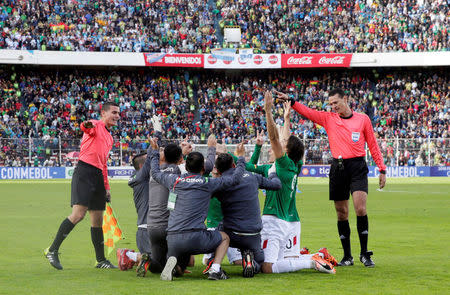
(174, 60)
(315, 60)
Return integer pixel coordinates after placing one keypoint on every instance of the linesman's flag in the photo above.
(111, 229)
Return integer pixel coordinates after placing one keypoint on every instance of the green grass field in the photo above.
(409, 234)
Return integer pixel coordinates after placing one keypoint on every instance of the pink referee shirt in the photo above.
(95, 146)
(346, 136)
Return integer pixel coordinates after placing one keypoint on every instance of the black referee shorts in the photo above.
(349, 177)
(88, 188)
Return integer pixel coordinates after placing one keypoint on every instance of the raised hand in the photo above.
(212, 141)
(88, 124)
(259, 137)
(240, 150)
(221, 147)
(281, 95)
(268, 101)
(186, 147)
(154, 143)
(287, 111)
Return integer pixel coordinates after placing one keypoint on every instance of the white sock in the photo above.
(311, 255)
(132, 255)
(289, 265)
(206, 258)
(215, 267)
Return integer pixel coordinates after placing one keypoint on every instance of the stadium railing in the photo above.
(64, 152)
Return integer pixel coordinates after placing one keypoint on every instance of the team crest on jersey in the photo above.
(355, 136)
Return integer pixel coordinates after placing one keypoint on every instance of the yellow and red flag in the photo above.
(111, 229)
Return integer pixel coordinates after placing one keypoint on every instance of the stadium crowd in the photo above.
(288, 26)
(340, 26)
(411, 105)
(151, 26)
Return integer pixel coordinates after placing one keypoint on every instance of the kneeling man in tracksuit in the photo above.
(189, 199)
(241, 211)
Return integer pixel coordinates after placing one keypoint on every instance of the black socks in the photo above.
(344, 235)
(64, 229)
(362, 223)
(97, 241)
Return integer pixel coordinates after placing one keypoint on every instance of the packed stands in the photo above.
(48, 105)
(283, 26)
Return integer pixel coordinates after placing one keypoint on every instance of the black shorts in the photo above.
(88, 188)
(348, 179)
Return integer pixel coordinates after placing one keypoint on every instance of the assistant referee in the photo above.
(90, 187)
(348, 132)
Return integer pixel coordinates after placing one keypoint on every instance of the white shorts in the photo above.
(233, 255)
(279, 238)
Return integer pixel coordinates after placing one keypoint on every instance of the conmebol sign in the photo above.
(315, 60)
(174, 60)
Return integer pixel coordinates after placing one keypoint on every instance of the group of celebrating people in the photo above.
(173, 196)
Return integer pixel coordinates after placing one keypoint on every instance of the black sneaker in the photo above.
(143, 265)
(53, 258)
(346, 261)
(366, 260)
(217, 275)
(105, 264)
(248, 264)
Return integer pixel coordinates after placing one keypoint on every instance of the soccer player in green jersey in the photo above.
(292, 243)
(280, 217)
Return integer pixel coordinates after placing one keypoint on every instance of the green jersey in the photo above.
(281, 203)
(215, 215)
(252, 165)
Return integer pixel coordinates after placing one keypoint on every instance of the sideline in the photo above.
(301, 180)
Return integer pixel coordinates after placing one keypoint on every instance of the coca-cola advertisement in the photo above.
(316, 60)
(174, 60)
